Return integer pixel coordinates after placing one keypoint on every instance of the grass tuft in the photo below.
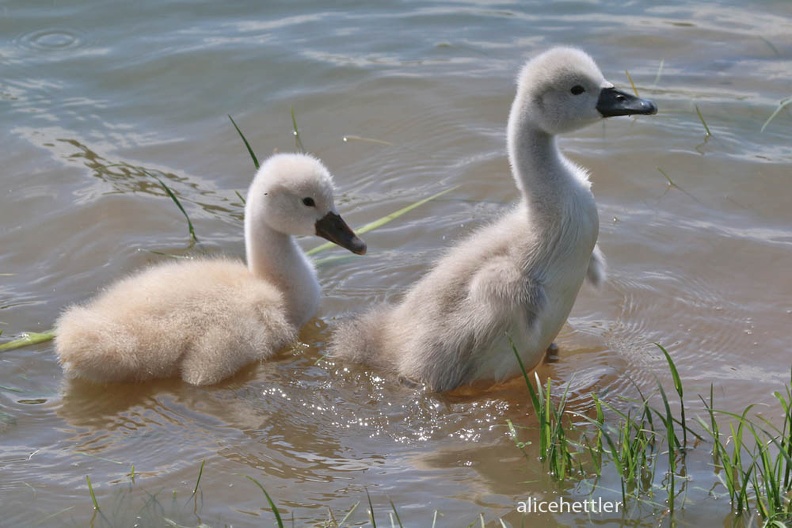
(553, 442)
(752, 462)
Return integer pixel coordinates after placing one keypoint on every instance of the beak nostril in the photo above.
(612, 103)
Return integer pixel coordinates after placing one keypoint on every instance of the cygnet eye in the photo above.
(577, 89)
(308, 202)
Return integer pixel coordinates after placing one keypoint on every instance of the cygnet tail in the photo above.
(362, 338)
(91, 347)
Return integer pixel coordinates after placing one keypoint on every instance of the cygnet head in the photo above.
(563, 89)
(293, 195)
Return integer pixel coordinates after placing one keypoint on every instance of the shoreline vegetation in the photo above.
(646, 448)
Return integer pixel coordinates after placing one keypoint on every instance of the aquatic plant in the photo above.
(753, 462)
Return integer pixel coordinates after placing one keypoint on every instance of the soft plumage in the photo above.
(204, 319)
(514, 281)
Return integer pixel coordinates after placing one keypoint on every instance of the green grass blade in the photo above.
(245, 141)
(91, 491)
(371, 511)
(398, 520)
(27, 339)
(173, 197)
(534, 396)
(349, 514)
(672, 183)
(783, 104)
(679, 390)
(274, 508)
(618, 461)
(382, 221)
(634, 88)
(515, 436)
(672, 367)
(659, 72)
(548, 436)
(537, 404)
(673, 444)
(296, 131)
(667, 177)
(200, 474)
(54, 515)
(701, 117)
(349, 138)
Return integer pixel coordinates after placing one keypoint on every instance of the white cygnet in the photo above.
(514, 281)
(204, 319)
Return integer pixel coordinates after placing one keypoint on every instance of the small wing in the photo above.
(597, 271)
(503, 287)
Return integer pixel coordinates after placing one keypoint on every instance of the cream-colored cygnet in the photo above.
(204, 319)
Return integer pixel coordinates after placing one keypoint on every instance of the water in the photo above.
(96, 96)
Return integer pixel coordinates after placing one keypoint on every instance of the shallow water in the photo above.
(96, 96)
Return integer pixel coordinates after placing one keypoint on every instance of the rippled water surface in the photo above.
(401, 100)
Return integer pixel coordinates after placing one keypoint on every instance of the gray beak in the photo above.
(613, 103)
(332, 227)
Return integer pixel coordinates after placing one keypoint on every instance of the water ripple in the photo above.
(51, 39)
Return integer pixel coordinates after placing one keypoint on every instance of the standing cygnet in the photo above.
(205, 319)
(517, 279)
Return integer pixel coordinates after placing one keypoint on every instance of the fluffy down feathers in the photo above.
(510, 285)
(218, 319)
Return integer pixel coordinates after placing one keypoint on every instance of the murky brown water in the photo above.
(701, 267)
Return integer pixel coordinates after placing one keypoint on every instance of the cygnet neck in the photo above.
(539, 168)
(275, 257)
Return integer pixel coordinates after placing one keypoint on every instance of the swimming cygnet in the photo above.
(205, 319)
(514, 281)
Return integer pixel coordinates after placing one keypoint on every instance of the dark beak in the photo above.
(613, 103)
(332, 227)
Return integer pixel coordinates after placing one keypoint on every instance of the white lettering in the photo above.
(563, 505)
